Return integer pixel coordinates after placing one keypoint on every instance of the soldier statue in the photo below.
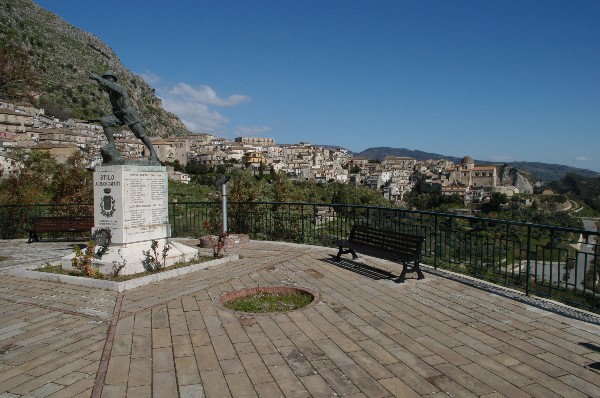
(123, 114)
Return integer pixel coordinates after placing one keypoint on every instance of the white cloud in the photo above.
(249, 131)
(206, 95)
(150, 78)
(196, 117)
(581, 158)
(193, 106)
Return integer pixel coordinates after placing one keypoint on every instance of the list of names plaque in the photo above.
(146, 193)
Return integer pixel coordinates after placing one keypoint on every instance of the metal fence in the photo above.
(550, 261)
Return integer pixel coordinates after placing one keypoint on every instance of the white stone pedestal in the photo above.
(131, 201)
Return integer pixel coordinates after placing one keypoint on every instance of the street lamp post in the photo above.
(223, 183)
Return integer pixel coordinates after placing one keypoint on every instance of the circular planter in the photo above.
(226, 298)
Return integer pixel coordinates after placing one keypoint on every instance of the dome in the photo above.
(467, 162)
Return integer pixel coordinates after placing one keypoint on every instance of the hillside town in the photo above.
(25, 128)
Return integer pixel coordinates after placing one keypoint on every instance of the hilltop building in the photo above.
(256, 141)
(473, 176)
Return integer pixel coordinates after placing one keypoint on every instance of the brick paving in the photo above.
(366, 336)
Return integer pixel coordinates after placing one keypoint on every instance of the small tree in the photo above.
(218, 237)
(72, 182)
(32, 184)
(495, 203)
(151, 259)
(83, 259)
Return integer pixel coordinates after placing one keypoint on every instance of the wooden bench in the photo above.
(389, 245)
(60, 224)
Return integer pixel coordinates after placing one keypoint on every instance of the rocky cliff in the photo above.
(509, 175)
(61, 55)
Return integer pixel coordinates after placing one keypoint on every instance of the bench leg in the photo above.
(417, 268)
(342, 251)
(33, 237)
(402, 275)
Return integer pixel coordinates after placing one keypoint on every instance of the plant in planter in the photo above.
(151, 261)
(84, 260)
(218, 239)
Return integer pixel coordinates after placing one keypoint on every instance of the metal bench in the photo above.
(389, 245)
(60, 224)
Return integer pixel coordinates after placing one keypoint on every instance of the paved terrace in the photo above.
(366, 337)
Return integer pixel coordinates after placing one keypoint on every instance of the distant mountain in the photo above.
(60, 56)
(544, 172)
(379, 153)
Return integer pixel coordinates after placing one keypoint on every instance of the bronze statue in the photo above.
(123, 114)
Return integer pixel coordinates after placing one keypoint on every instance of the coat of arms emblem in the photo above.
(107, 204)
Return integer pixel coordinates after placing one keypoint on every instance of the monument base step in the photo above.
(133, 257)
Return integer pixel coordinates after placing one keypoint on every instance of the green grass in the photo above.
(270, 302)
(4, 258)
(55, 269)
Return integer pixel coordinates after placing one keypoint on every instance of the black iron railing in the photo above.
(550, 261)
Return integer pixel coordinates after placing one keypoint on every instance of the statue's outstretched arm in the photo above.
(105, 82)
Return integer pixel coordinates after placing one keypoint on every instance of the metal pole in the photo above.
(528, 274)
(224, 204)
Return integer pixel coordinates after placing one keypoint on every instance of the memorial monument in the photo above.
(130, 196)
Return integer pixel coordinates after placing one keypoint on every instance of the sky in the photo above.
(502, 81)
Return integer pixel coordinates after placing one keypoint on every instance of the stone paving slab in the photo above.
(18, 253)
(366, 337)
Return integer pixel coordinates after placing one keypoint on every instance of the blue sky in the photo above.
(495, 80)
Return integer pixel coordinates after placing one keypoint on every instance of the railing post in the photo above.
(302, 218)
(435, 242)
(289, 220)
(507, 233)
(528, 272)
(173, 225)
